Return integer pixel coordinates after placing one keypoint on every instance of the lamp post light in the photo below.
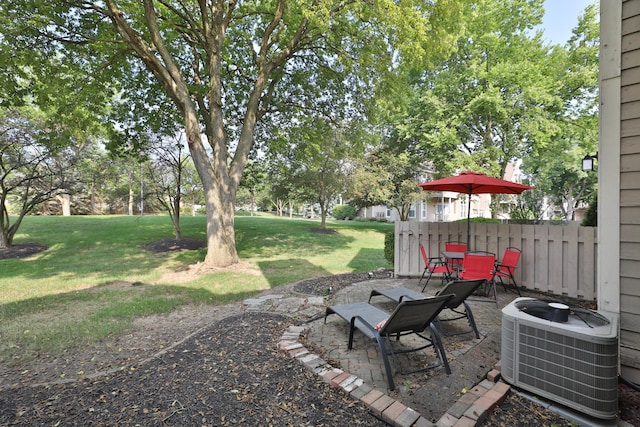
(587, 162)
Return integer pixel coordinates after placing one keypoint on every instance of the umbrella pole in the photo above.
(469, 222)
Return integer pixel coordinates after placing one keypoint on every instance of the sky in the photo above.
(561, 16)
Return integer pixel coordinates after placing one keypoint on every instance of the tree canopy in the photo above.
(493, 99)
(555, 167)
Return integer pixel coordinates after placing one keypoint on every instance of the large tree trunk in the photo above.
(65, 201)
(176, 218)
(221, 234)
(5, 241)
(8, 230)
(93, 196)
(219, 194)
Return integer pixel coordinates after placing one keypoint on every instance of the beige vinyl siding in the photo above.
(630, 192)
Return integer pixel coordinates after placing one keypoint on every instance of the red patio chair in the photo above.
(480, 265)
(506, 267)
(433, 265)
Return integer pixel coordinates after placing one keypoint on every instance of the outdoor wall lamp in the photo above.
(587, 162)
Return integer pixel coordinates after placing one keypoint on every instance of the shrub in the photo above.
(480, 220)
(591, 216)
(389, 245)
(343, 212)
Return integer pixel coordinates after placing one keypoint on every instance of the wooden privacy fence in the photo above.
(555, 259)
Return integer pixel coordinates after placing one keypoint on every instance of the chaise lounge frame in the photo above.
(409, 317)
(461, 289)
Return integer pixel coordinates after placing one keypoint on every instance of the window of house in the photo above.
(463, 204)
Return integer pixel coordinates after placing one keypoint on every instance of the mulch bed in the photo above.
(322, 286)
(173, 245)
(22, 250)
(228, 374)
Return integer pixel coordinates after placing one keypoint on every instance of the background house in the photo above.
(440, 207)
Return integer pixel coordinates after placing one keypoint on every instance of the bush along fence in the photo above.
(556, 259)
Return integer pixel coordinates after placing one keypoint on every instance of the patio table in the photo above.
(452, 254)
(451, 257)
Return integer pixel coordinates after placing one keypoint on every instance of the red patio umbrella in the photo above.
(474, 183)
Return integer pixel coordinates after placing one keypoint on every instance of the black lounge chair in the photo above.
(461, 289)
(409, 317)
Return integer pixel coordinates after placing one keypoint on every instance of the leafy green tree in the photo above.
(558, 174)
(528, 206)
(321, 162)
(226, 66)
(253, 183)
(555, 168)
(32, 168)
(166, 168)
(97, 171)
(494, 100)
(388, 176)
(55, 118)
(591, 216)
(283, 190)
(504, 96)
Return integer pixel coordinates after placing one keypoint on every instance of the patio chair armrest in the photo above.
(499, 265)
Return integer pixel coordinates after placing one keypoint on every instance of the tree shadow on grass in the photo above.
(134, 260)
(366, 257)
(285, 271)
(298, 238)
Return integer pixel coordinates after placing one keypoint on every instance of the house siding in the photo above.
(630, 191)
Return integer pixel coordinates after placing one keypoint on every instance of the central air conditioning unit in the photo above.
(562, 352)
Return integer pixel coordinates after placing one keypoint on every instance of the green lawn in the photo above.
(57, 299)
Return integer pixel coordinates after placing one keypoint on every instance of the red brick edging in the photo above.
(469, 411)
